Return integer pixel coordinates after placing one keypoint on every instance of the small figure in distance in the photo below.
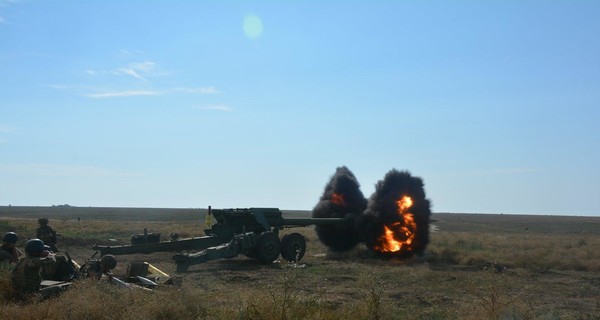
(8, 250)
(47, 234)
(25, 277)
(96, 268)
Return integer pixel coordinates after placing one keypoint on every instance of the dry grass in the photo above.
(470, 271)
(538, 252)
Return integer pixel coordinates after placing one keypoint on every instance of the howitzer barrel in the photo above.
(312, 221)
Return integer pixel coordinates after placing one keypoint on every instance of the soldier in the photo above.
(26, 278)
(8, 252)
(47, 234)
(96, 268)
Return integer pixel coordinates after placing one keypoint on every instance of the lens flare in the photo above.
(253, 26)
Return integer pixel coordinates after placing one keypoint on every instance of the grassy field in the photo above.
(475, 267)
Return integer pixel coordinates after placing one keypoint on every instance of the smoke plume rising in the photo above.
(383, 215)
(342, 198)
(394, 222)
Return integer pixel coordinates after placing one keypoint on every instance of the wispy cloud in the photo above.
(3, 21)
(62, 170)
(140, 71)
(128, 93)
(137, 70)
(218, 107)
(98, 92)
(127, 53)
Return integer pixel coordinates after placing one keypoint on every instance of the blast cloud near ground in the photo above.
(342, 198)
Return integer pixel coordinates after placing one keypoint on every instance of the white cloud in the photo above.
(5, 129)
(217, 107)
(130, 53)
(62, 170)
(137, 70)
(200, 90)
(99, 92)
(127, 93)
(142, 71)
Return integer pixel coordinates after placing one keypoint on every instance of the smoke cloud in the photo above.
(382, 210)
(379, 216)
(342, 198)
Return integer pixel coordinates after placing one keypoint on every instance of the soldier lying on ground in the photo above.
(96, 268)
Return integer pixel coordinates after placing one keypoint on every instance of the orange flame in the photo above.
(399, 235)
(338, 199)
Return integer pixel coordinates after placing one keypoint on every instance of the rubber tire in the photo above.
(293, 247)
(267, 248)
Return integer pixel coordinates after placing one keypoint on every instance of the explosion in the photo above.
(342, 198)
(393, 223)
(337, 199)
(400, 234)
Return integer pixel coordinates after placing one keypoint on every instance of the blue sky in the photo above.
(495, 104)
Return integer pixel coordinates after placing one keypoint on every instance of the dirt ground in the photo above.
(482, 281)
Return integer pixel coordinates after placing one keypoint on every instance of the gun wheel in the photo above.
(267, 248)
(293, 247)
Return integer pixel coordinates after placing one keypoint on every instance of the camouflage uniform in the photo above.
(48, 235)
(62, 270)
(8, 254)
(93, 269)
(97, 268)
(26, 276)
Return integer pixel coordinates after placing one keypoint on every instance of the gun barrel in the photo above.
(313, 221)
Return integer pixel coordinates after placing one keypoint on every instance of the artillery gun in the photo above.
(253, 232)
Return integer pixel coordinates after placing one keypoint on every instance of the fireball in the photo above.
(338, 199)
(398, 235)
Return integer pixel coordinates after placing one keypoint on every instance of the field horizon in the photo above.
(68, 211)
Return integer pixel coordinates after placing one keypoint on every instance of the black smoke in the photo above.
(341, 198)
(382, 210)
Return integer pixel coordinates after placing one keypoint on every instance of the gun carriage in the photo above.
(253, 232)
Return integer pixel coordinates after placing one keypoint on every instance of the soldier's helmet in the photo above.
(10, 237)
(35, 247)
(43, 221)
(108, 261)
